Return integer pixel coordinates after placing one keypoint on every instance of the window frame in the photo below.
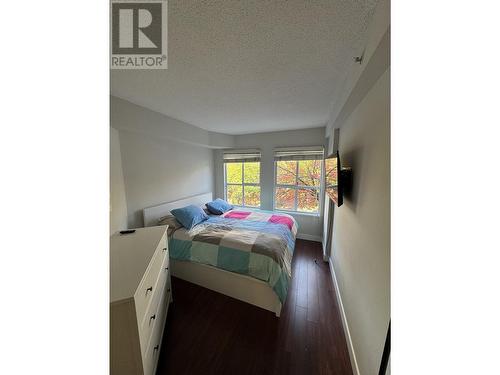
(243, 183)
(296, 187)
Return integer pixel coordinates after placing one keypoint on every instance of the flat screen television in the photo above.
(333, 183)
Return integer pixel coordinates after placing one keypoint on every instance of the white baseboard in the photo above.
(309, 237)
(350, 347)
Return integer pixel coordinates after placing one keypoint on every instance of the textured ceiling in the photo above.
(241, 67)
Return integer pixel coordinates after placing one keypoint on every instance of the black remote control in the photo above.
(127, 231)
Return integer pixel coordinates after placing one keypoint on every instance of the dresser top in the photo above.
(129, 257)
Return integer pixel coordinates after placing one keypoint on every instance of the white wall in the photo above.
(309, 226)
(361, 233)
(162, 159)
(135, 118)
(157, 171)
(117, 198)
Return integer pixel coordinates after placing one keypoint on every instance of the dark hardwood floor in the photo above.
(209, 333)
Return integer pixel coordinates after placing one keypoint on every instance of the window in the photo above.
(242, 178)
(331, 178)
(298, 179)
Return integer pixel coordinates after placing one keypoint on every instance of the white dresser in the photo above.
(140, 296)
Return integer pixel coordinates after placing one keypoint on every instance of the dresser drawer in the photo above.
(149, 319)
(146, 289)
(152, 353)
(138, 289)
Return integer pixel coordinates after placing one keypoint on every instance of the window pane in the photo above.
(285, 199)
(285, 172)
(252, 196)
(308, 200)
(235, 194)
(234, 173)
(252, 172)
(331, 172)
(309, 172)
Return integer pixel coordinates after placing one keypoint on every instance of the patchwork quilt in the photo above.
(255, 243)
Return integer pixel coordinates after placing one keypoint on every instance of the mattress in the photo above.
(255, 243)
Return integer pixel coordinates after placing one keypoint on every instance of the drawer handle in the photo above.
(168, 290)
(155, 349)
(164, 248)
(150, 289)
(153, 317)
(166, 268)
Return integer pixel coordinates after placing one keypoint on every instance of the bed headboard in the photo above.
(152, 214)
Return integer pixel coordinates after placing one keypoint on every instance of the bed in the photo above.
(244, 253)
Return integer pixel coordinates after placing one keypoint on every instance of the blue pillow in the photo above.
(189, 216)
(218, 206)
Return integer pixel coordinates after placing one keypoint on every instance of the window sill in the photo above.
(309, 214)
(297, 213)
(246, 207)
